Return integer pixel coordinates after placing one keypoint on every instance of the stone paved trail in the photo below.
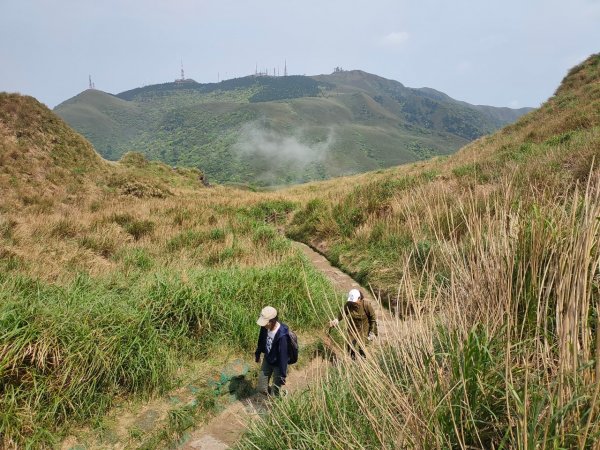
(226, 428)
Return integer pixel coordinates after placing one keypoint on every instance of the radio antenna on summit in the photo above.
(182, 79)
(91, 85)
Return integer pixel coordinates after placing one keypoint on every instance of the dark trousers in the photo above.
(264, 375)
(353, 346)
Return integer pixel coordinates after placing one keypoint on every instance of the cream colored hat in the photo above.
(267, 313)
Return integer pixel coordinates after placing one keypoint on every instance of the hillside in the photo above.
(554, 145)
(280, 130)
(123, 281)
(41, 158)
(490, 260)
(44, 163)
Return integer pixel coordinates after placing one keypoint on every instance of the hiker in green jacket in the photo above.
(361, 320)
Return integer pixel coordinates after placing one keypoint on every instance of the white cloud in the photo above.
(514, 104)
(257, 140)
(395, 39)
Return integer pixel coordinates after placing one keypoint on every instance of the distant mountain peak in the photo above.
(272, 130)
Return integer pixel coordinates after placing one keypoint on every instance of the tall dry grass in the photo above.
(500, 352)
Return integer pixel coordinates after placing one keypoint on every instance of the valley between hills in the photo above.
(126, 282)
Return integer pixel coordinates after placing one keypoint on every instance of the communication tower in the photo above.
(182, 79)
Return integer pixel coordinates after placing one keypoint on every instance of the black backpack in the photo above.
(292, 347)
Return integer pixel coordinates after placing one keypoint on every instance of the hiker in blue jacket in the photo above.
(273, 342)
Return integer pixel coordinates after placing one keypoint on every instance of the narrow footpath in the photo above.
(225, 429)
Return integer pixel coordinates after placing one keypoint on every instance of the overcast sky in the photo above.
(502, 53)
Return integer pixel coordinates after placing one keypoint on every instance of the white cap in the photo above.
(267, 313)
(354, 295)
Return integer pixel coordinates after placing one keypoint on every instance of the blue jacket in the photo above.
(279, 348)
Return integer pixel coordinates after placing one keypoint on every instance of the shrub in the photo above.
(139, 228)
(138, 258)
(186, 239)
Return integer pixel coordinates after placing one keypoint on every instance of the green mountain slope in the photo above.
(276, 130)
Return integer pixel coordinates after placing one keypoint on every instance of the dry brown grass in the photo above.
(502, 355)
(66, 239)
(64, 210)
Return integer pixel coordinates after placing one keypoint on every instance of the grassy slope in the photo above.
(555, 144)
(377, 123)
(104, 119)
(491, 256)
(462, 239)
(115, 275)
(40, 156)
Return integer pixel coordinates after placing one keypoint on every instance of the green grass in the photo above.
(67, 351)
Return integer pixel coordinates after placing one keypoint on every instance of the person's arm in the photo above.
(372, 319)
(343, 312)
(259, 345)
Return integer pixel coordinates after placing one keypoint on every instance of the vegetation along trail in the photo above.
(129, 293)
(227, 427)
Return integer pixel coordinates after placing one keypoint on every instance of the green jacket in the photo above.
(360, 317)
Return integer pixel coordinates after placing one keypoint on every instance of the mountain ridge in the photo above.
(265, 130)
